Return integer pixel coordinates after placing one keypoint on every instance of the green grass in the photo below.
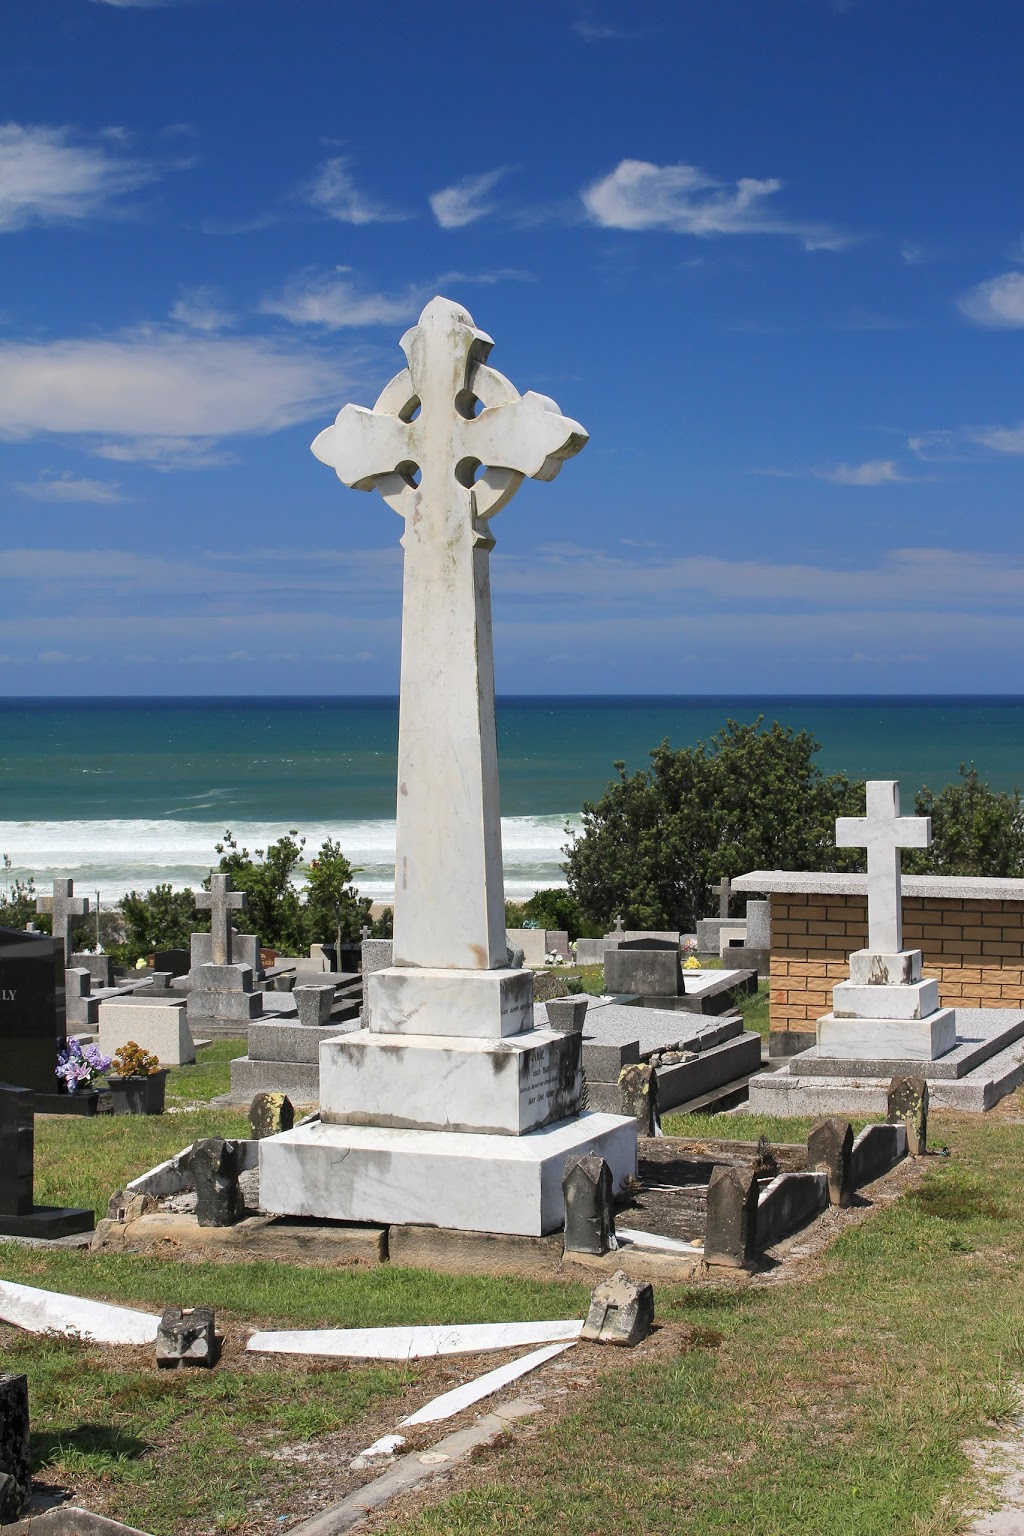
(840, 1402)
(208, 1076)
(754, 1009)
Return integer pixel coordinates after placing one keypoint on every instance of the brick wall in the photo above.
(975, 949)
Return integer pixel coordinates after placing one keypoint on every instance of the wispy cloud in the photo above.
(159, 384)
(999, 302)
(67, 487)
(638, 195)
(1000, 439)
(465, 201)
(333, 190)
(334, 301)
(46, 177)
(167, 453)
(200, 309)
(871, 472)
(944, 446)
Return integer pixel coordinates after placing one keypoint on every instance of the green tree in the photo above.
(559, 909)
(18, 902)
(160, 918)
(976, 830)
(333, 908)
(658, 838)
(274, 911)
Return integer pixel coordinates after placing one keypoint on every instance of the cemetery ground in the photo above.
(839, 1391)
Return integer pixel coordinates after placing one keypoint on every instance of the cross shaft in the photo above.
(220, 901)
(883, 832)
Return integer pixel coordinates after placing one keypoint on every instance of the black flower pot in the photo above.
(139, 1095)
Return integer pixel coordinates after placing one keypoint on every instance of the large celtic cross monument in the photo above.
(447, 470)
(451, 1108)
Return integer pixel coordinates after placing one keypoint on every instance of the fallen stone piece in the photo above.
(15, 1460)
(908, 1105)
(186, 1336)
(830, 1147)
(587, 1191)
(621, 1311)
(38, 1311)
(216, 1165)
(417, 1343)
(270, 1114)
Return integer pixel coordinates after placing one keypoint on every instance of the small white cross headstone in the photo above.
(723, 890)
(220, 901)
(447, 445)
(883, 832)
(365, 932)
(65, 906)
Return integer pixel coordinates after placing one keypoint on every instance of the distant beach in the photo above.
(121, 794)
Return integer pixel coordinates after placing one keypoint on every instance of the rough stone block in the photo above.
(15, 1459)
(587, 1192)
(314, 1004)
(830, 1150)
(908, 1106)
(730, 1235)
(222, 978)
(567, 1015)
(186, 1336)
(621, 1311)
(638, 1092)
(270, 1114)
(478, 1004)
(158, 1027)
(216, 1165)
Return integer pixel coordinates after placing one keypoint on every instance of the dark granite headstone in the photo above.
(19, 1217)
(730, 1236)
(830, 1148)
(589, 1219)
(177, 961)
(31, 1009)
(15, 1461)
(215, 1166)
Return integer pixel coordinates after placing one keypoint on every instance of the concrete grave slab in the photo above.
(416, 1343)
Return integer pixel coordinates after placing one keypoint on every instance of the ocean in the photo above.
(123, 793)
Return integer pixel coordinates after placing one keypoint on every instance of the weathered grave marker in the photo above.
(65, 906)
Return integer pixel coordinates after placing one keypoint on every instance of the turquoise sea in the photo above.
(121, 793)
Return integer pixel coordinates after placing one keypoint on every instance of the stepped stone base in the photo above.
(907, 1039)
(299, 1080)
(442, 1178)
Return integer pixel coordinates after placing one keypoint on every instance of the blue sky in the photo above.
(770, 254)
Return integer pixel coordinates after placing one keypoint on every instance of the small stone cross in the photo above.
(220, 901)
(883, 832)
(365, 932)
(723, 890)
(65, 906)
(619, 925)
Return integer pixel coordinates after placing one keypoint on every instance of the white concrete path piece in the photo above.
(655, 1241)
(74, 1316)
(450, 1403)
(419, 1343)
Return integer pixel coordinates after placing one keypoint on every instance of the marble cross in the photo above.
(65, 906)
(883, 832)
(220, 901)
(723, 890)
(366, 932)
(447, 445)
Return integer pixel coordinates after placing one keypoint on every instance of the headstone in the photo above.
(621, 1311)
(723, 890)
(646, 969)
(376, 956)
(15, 1456)
(81, 1011)
(222, 995)
(567, 1015)
(638, 1089)
(830, 1149)
(19, 1215)
(314, 1004)
(589, 1217)
(220, 901)
(270, 1114)
(177, 961)
(886, 1011)
(186, 1336)
(159, 1024)
(64, 907)
(908, 1105)
(447, 1085)
(100, 968)
(216, 1168)
(759, 928)
(730, 1235)
(31, 1009)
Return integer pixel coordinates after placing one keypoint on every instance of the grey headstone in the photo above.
(314, 1004)
(730, 1235)
(589, 1218)
(270, 1114)
(567, 1014)
(908, 1105)
(590, 951)
(216, 1166)
(245, 950)
(15, 1460)
(647, 972)
(638, 1090)
(100, 968)
(759, 928)
(376, 956)
(621, 1311)
(830, 1148)
(186, 1336)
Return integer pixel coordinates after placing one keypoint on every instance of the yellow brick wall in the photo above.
(975, 949)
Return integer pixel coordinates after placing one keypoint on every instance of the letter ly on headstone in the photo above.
(31, 1009)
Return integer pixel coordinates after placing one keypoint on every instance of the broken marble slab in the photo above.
(74, 1316)
(417, 1343)
(453, 1402)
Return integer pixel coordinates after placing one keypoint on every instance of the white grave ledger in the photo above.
(452, 1109)
(885, 1011)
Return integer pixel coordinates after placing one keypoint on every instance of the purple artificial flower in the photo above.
(77, 1065)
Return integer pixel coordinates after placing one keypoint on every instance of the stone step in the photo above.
(981, 1034)
(299, 1080)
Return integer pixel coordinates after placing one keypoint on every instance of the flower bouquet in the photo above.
(138, 1082)
(79, 1065)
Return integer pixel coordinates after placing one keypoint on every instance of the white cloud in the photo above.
(67, 487)
(154, 384)
(1000, 439)
(962, 445)
(999, 302)
(334, 190)
(46, 178)
(871, 472)
(463, 202)
(638, 195)
(200, 310)
(334, 301)
(166, 453)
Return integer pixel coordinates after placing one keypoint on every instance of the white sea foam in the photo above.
(118, 856)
